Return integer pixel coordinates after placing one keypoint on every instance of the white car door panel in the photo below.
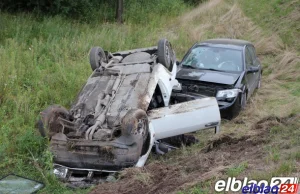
(185, 117)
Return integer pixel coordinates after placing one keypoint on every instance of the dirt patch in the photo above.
(226, 151)
(268, 122)
(154, 178)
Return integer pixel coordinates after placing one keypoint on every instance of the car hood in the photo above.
(226, 78)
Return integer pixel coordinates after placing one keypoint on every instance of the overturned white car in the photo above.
(129, 103)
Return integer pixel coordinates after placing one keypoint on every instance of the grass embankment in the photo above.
(44, 61)
(279, 16)
(273, 113)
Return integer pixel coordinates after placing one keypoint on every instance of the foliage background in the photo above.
(103, 10)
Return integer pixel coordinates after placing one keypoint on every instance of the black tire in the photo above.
(165, 53)
(47, 124)
(97, 56)
(135, 122)
(131, 126)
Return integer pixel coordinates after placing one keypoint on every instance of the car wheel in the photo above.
(165, 53)
(259, 82)
(243, 100)
(97, 56)
(135, 122)
(48, 123)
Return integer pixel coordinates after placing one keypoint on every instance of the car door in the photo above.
(250, 76)
(256, 63)
(185, 117)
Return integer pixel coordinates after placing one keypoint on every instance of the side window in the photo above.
(252, 50)
(248, 58)
(253, 54)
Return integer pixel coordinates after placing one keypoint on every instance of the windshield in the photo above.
(214, 58)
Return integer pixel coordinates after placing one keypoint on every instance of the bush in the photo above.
(81, 9)
(100, 10)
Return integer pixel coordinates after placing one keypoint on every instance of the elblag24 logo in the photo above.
(277, 185)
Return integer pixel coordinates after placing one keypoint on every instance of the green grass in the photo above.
(274, 154)
(285, 168)
(295, 155)
(293, 88)
(237, 170)
(276, 16)
(201, 188)
(197, 190)
(285, 134)
(282, 169)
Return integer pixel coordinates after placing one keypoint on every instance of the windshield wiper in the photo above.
(211, 69)
(188, 66)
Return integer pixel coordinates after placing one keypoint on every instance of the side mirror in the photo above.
(252, 69)
(177, 63)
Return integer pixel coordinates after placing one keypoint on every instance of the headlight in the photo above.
(60, 172)
(228, 93)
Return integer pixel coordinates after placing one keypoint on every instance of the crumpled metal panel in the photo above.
(88, 96)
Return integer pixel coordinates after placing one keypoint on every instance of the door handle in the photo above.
(213, 124)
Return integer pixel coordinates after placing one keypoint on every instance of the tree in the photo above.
(119, 11)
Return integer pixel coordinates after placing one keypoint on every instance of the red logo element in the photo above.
(289, 188)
